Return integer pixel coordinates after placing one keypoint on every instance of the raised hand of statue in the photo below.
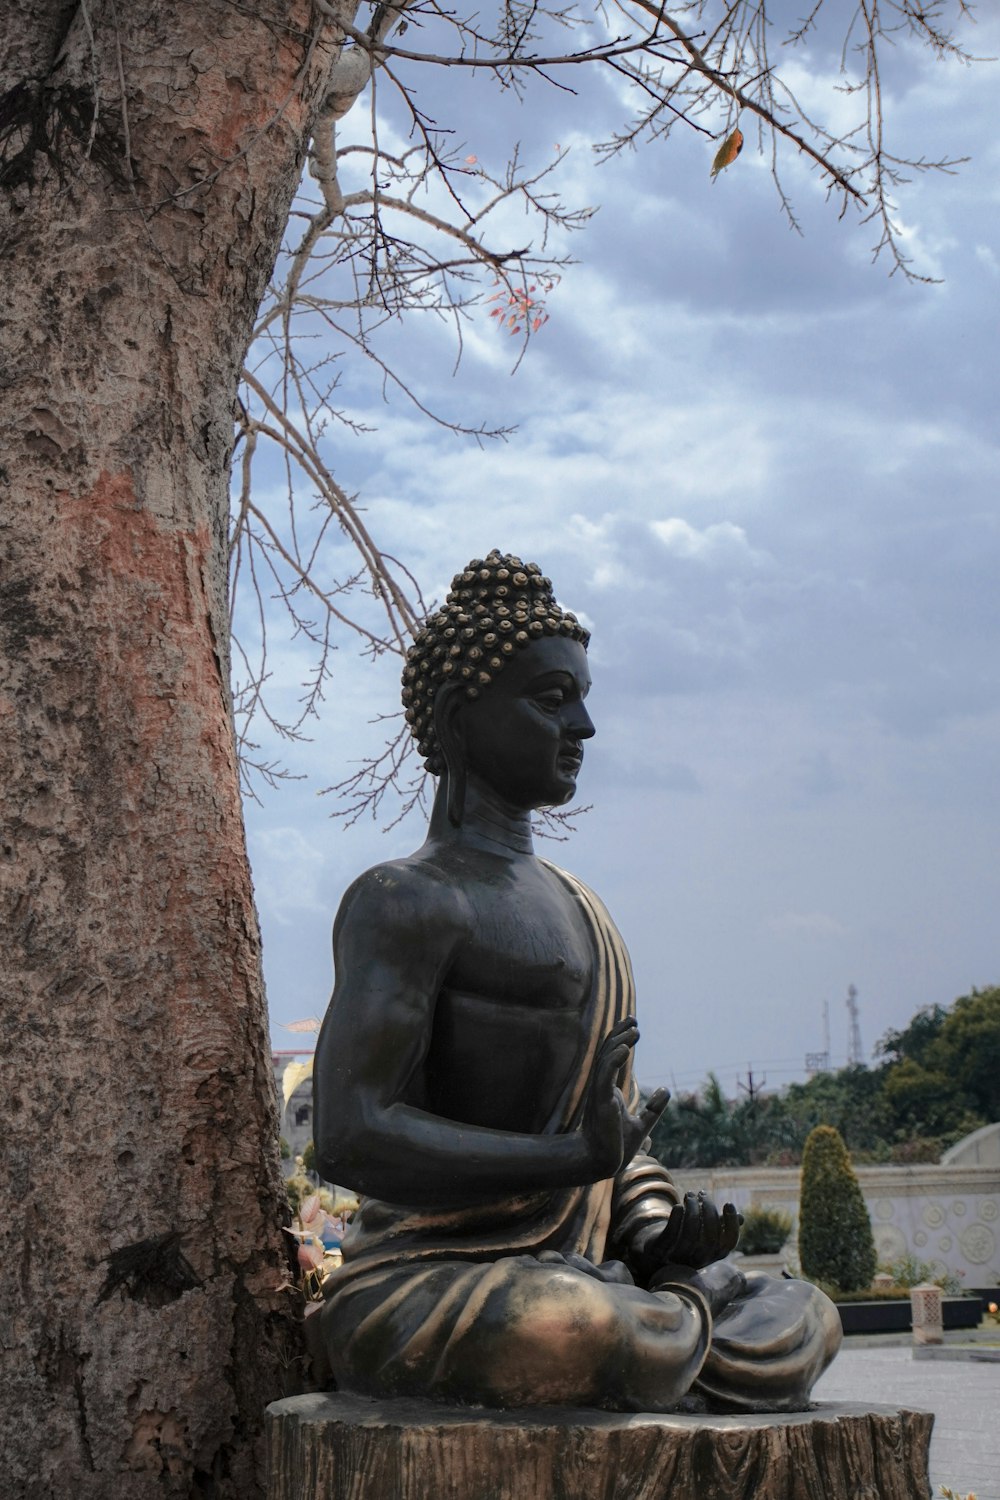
(612, 1133)
(694, 1235)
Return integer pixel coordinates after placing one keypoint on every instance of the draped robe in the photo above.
(529, 1299)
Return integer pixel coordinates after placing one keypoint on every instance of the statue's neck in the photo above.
(488, 821)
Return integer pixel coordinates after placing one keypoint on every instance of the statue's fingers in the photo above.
(626, 1026)
(609, 1063)
(619, 1053)
(622, 1036)
(690, 1236)
(731, 1221)
(710, 1222)
(666, 1241)
(649, 1116)
(654, 1107)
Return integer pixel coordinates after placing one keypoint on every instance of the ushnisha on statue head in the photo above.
(496, 606)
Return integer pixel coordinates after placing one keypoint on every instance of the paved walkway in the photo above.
(963, 1395)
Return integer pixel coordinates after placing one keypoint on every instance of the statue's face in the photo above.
(524, 735)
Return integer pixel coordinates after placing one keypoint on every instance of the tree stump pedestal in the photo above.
(334, 1446)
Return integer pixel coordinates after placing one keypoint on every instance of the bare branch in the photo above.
(380, 232)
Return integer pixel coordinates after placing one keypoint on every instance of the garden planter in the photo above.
(889, 1315)
(773, 1264)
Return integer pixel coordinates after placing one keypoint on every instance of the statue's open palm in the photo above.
(611, 1131)
(695, 1234)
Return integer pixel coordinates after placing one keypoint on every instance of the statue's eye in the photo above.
(551, 699)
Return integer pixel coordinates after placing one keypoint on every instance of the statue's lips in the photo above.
(570, 761)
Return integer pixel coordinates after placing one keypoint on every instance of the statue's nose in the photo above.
(581, 724)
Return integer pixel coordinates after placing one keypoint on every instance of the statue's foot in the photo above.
(720, 1283)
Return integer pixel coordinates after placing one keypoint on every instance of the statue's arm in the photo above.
(394, 941)
(652, 1227)
(643, 1199)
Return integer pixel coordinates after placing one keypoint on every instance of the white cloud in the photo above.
(287, 867)
(986, 257)
(719, 543)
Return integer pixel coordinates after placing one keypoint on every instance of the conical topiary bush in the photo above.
(835, 1233)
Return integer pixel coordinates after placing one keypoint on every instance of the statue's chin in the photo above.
(560, 799)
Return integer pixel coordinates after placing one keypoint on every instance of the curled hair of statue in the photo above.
(497, 605)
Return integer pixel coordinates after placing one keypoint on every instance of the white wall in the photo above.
(946, 1215)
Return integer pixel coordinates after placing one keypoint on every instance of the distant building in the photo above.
(980, 1149)
(293, 1077)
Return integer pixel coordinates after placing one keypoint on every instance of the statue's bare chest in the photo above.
(511, 1018)
(526, 944)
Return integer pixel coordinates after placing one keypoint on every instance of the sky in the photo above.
(765, 473)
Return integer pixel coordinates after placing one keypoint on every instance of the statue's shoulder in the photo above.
(589, 901)
(571, 882)
(402, 892)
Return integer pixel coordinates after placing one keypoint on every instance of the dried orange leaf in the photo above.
(728, 151)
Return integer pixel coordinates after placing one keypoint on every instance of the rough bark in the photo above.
(340, 1447)
(148, 156)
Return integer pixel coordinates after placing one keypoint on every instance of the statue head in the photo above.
(496, 607)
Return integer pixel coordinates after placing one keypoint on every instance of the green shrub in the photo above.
(835, 1235)
(764, 1231)
(866, 1294)
(908, 1272)
(917, 1148)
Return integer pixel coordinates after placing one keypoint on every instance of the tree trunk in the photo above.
(141, 1331)
(343, 1447)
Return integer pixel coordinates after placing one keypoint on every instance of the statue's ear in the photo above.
(448, 703)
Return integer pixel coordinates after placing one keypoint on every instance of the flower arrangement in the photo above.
(318, 1228)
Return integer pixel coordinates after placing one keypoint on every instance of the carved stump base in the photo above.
(335, 1446)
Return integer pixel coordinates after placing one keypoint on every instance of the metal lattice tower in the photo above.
(855, 1057)
(819, 1062)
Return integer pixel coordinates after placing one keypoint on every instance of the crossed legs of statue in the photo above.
(556, 1331)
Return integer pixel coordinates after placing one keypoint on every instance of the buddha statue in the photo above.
(515, 1243)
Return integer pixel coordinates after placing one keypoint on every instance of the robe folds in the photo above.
(530, 1300)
